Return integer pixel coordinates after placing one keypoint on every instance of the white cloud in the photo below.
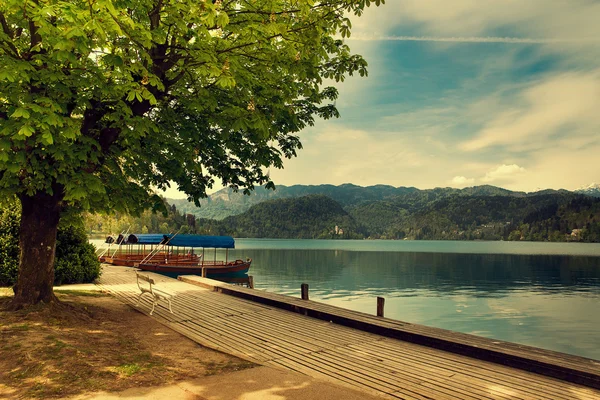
(565, 103)
(336, 154)
(565, 27)
(564, 19)
(560, 168)
(503, 172)
(461, 181)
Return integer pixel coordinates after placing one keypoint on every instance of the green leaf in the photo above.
(47, 138)
(20, 113)
(26, 131)
(222, 19)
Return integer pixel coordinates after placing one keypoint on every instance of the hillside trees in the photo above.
(102, 100)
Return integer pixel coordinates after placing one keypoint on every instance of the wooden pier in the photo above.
(263, 332)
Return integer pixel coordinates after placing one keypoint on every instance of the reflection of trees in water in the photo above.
(478, 274)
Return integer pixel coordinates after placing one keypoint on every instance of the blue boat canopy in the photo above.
(219, 242)
(146, 238)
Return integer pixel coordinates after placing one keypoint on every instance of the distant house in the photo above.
(575, 233)
(338, 230)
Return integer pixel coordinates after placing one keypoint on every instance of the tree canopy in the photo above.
(103, 100)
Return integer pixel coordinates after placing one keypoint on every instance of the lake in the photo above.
(540, 294)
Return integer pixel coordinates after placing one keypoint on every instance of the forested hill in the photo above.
(485, 213)
(562, 216)
(307, 217)
(226, 202)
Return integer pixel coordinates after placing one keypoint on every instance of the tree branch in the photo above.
(154, 15)
(11, 35)
(5, 27)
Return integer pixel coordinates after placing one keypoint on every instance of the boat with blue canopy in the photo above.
(179, 254)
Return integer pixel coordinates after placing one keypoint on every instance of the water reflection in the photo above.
(381, 273)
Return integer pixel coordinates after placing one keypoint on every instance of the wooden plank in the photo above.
(391, 368)
(462, 364)
(566, 367)
(426, 374)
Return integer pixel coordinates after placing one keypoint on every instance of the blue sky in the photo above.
(463, 93)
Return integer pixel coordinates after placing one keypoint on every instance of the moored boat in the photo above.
(184, 257)
(212, 269)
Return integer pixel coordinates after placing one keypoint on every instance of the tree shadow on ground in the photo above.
(90, 342)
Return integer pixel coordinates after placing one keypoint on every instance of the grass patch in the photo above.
(128, 369)
(20, 328)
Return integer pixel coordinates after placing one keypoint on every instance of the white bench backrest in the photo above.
(145, 278)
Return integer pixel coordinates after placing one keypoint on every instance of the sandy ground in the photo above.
(260, 383)
(94, 347)
(94, 342)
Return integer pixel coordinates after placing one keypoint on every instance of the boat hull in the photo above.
(131, 260)
(230, 269)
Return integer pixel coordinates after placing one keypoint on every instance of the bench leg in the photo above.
(169, 300)
(139, 298)
(153, 304)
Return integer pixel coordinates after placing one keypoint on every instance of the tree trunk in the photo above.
(37, 240)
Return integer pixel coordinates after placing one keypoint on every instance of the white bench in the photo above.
(152, 290)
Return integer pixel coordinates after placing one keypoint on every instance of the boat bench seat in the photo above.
(151, 289)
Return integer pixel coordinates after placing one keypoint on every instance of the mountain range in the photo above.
(227, 202)
(590, 190)
(386, 212)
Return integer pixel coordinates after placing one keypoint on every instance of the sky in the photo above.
(463, 93)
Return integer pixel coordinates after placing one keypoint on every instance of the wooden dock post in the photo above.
(380, 305)
(304, 291)
(251, 282)
(204, 272)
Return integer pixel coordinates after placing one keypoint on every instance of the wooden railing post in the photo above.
(251, 282)
(304, 291)
(380, 305)
(204, 272)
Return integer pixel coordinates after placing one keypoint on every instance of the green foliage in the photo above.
(431, 215)
(75, 261)
(9, 241)
(307, 217)
(147, 222)
(383, 212)
(102, 101)
(227, 202)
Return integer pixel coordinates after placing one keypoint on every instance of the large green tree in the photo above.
(101, 100)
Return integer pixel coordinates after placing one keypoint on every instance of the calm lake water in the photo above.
(540, 294)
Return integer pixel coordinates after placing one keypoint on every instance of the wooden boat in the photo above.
(132, 260)
(212, 269)
(134, 248)
(148, 248)
(181, 262)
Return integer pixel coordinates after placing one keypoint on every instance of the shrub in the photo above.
(75, 261)
(9, 242)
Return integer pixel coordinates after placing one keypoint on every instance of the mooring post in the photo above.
(251, 282)
(304, 291)
(204, 272)
(380, 305)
